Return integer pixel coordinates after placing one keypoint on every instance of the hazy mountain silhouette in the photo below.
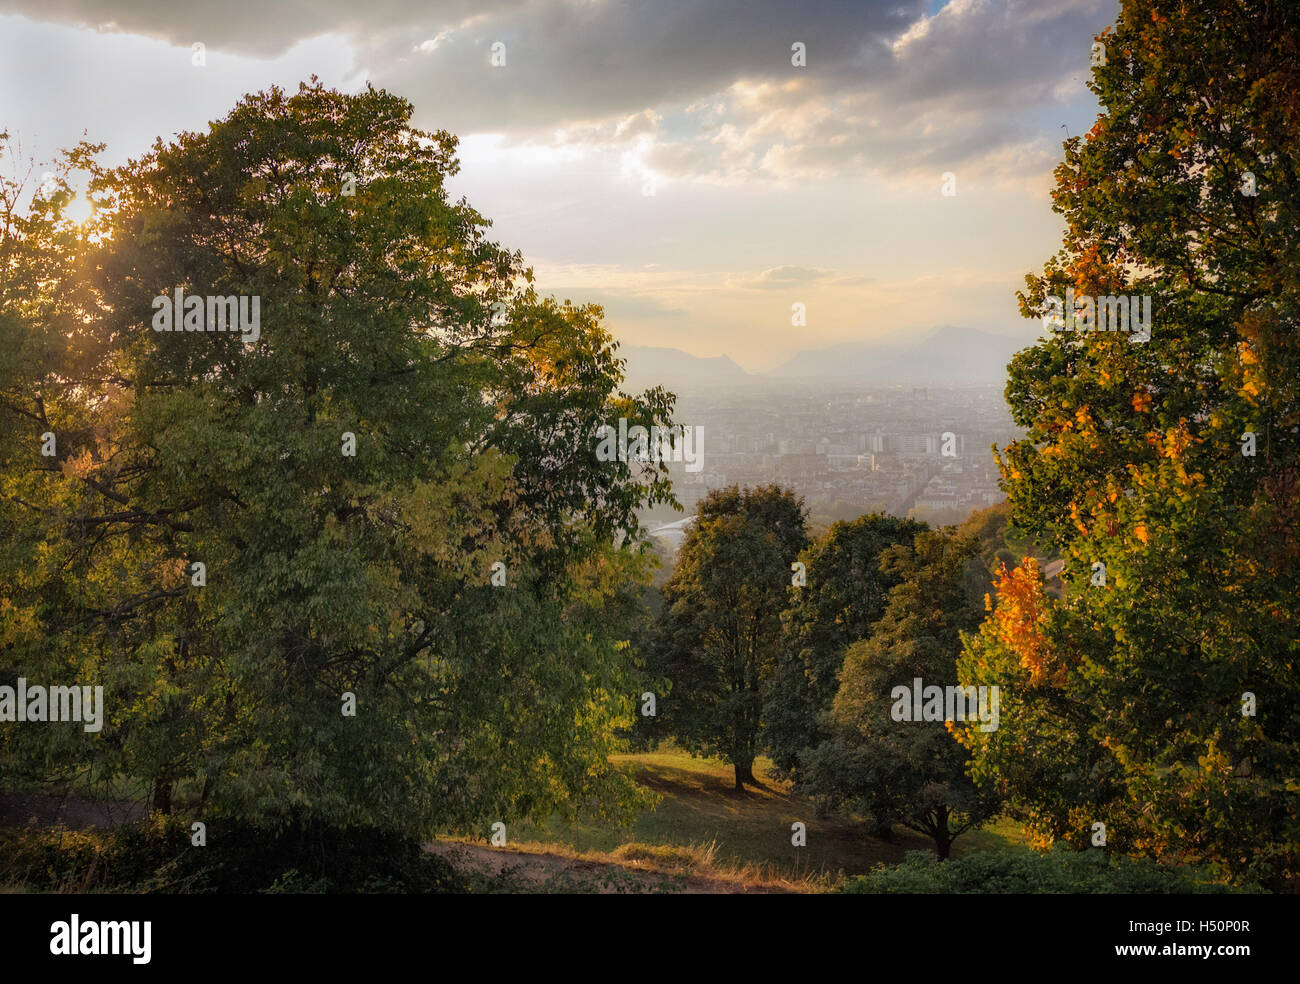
(668, 367)
(951, 355)
(946, 355)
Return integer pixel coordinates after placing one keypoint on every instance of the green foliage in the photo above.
(1128, 703)
(1059, 872)
(846, 592)
(908, 772)
(474, 402)
(721, 631)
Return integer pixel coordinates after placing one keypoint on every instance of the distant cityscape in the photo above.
(923, 452)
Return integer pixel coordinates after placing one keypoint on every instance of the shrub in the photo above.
(155, 855)
(1058, 872)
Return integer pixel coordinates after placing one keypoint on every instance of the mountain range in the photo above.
(946, 355)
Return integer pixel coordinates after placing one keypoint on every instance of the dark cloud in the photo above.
(251, 27)
(708, 85)
(565, 59)
(570, 61)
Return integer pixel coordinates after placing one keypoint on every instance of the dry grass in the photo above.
(632, 867)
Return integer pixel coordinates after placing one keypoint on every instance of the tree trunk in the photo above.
(162, 796)
(207, 789)
(744, 774)
(942, 837)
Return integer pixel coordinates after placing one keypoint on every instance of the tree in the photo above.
(894, 767)
(721, 633)
(845, 594)
(1158, 696)
(392, 486)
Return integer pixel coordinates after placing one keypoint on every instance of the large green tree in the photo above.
(907, 771)
(1159, 697)
(721, 638)
(846, 591)
(393, 487)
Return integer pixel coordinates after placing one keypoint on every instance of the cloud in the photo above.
(566, 60)
(252, 27)
(700, 90)
(579, 62)
(620, 305)
(964, 90)
(778, 278)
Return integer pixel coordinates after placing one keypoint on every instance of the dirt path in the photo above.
(532, 871)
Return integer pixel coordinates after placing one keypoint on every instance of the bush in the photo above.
(155, 855)
(1058, 872)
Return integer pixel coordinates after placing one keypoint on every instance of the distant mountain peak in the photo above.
(946, 354)
(649, 365)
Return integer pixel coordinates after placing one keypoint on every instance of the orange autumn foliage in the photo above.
(1017, 621)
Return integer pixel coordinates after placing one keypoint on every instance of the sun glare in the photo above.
(79, 209)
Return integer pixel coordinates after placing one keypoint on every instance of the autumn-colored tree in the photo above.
(1158, 697)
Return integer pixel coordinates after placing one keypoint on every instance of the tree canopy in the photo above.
(721, 638)
(1159, 697)
(846, 592)
(391, 487)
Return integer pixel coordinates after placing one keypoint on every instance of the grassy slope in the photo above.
(701, 836)
(698, 806)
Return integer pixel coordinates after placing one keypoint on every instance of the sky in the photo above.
(664, 158)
